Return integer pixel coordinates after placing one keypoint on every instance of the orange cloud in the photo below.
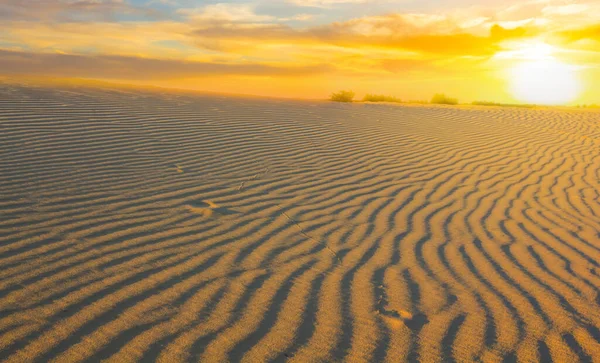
(74, 10)
(588, 33)
(79, 38)
(132, 68)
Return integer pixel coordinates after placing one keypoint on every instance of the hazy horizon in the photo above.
(544, 52)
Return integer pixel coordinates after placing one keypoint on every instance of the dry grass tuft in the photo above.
(380, 98)
(442, 99)
(342, 96)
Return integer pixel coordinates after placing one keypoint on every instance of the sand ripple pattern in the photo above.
(176, 227)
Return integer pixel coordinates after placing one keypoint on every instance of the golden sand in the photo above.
(173, 227)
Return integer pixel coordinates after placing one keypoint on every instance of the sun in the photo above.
(539, 77)
(545, 81)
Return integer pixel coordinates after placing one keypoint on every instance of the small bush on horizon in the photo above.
(442, 99)
(342, 96)
(380, 98)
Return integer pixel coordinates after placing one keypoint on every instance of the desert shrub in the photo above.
(380, 98)
(342, 96)
(442, 99)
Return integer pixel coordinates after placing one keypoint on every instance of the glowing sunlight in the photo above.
(539, 77)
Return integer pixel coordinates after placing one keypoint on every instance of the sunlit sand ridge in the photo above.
(171, 227)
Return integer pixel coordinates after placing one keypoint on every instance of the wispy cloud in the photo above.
(71, 10)
(272, 38)
(132, 68)
(326, 3)
(225, 13)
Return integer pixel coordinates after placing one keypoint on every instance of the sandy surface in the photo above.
(170, 227)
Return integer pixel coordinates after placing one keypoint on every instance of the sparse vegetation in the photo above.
(342, 96)
(488, 103)
(442, 99)
(380, 98)
(438, 98)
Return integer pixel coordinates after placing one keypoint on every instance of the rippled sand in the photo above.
(171, 227)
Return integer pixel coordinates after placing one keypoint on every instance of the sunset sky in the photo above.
(473, 50)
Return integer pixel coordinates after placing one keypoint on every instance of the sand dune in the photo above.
(172, 227)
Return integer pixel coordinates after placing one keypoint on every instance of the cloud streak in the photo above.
(120, 67)
(161, 40)
(73, 10)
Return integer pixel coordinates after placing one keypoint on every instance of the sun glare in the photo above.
(540, 78)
